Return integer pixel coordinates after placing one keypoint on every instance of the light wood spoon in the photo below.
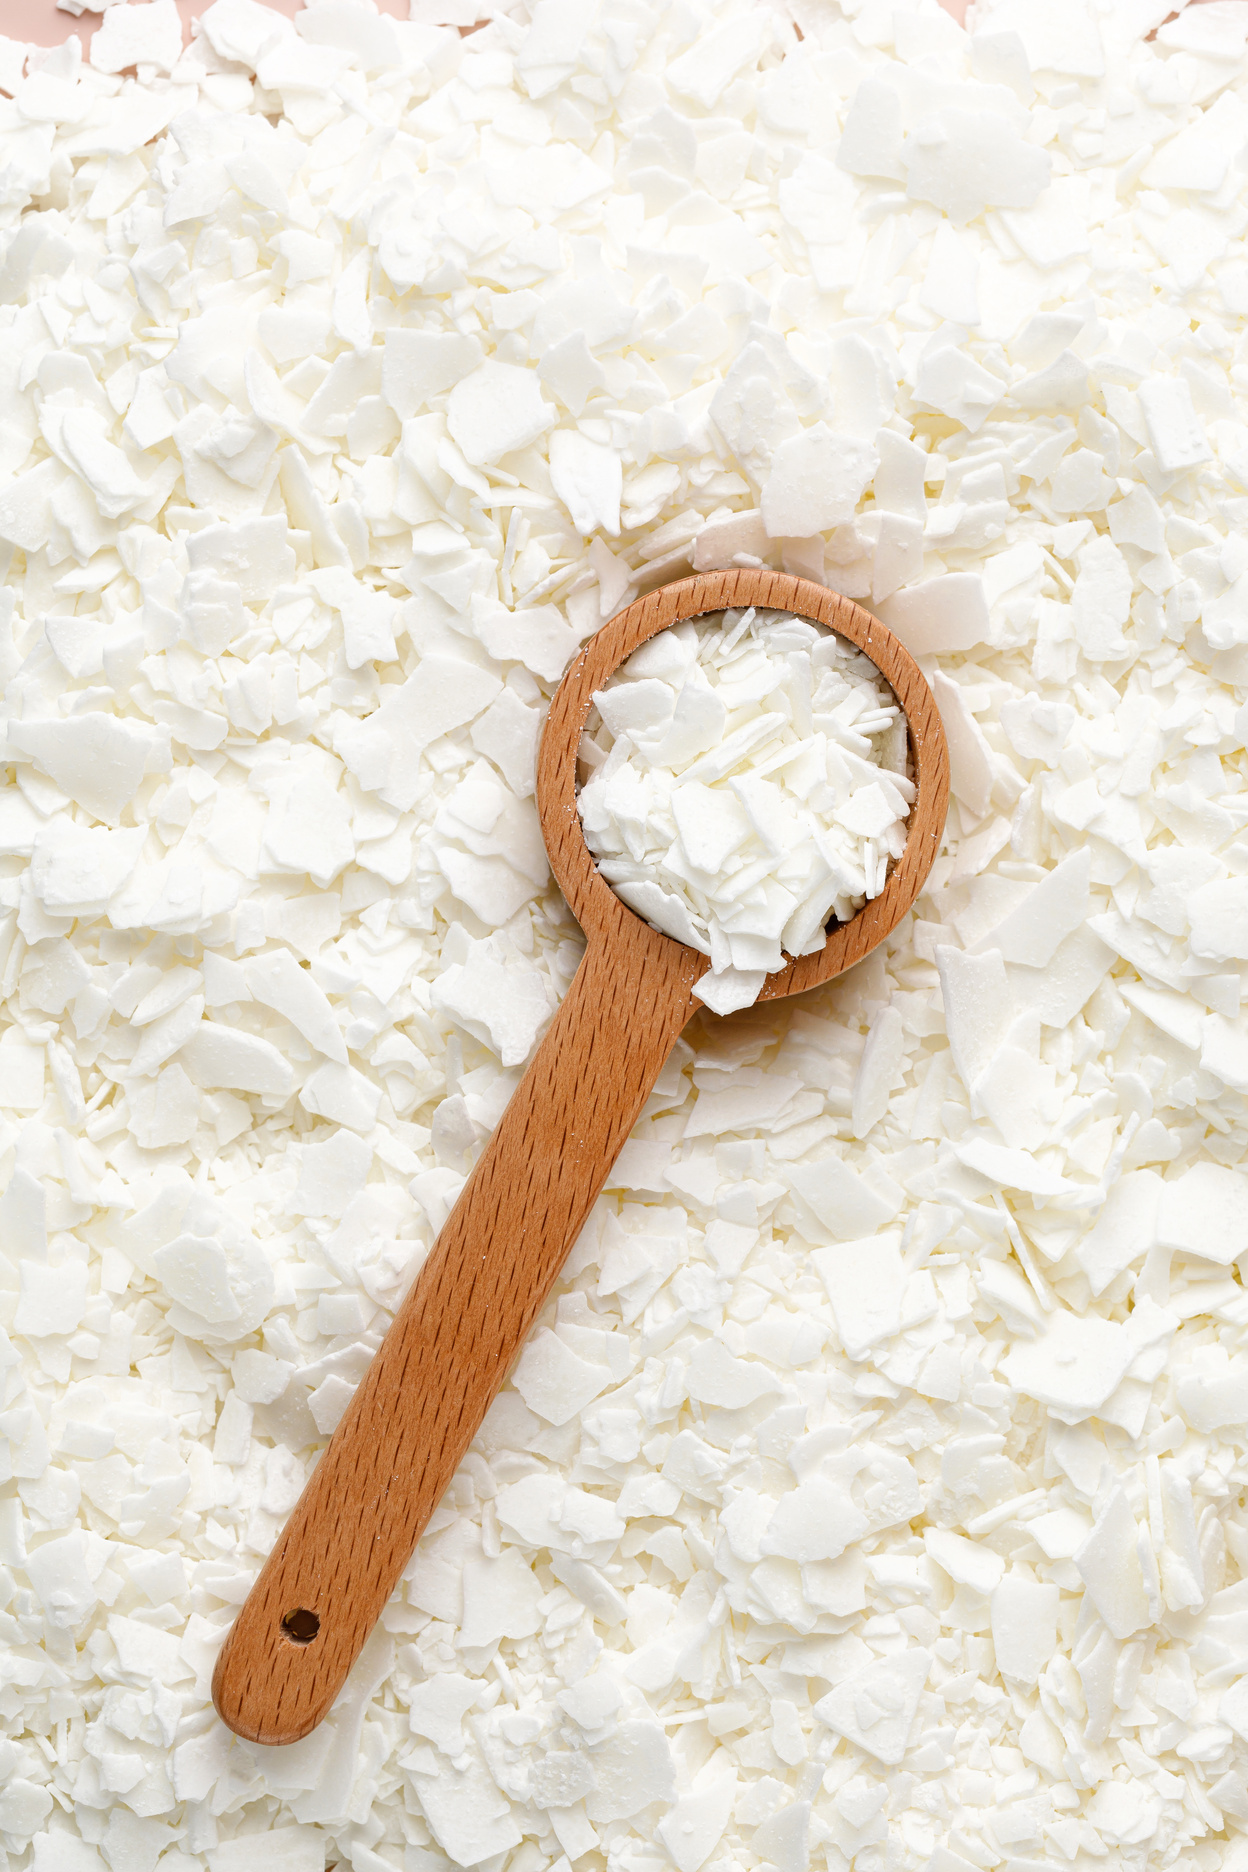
(491, 1269)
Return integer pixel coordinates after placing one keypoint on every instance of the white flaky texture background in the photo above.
(871, 1492)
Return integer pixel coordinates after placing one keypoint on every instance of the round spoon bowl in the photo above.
(602, 915)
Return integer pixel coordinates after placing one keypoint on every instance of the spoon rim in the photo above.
(604, 916)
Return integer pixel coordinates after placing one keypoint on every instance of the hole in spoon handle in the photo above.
(422, 1400)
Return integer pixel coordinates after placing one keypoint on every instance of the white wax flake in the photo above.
(1076, 1364)
(287, 1849)
(875, 1707)
(436, 1710)
(940, 615)
(554, 1382)
(816, 481)
(278, 982)
(493, 995)
(1203, 1211)
(98, 760)
(695, 1825)
(496, 409)
(964, 1560)
(52, 1299)
(59, 1573)
(733, 800)
(865, 1282)
(1024, 1626)
(1109, 1562)
(869, 1488)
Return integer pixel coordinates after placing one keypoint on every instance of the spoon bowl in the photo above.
(601, 914)
(500, 1251)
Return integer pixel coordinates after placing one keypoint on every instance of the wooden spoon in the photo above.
(491, 1269)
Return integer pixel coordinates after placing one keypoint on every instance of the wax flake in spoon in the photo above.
(746, 785)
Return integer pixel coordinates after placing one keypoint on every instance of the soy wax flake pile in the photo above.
(747, 784)
(871, 1492)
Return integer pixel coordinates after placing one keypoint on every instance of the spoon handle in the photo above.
(486, 1279)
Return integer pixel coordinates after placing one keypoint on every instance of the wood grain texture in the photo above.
(500, 1252)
